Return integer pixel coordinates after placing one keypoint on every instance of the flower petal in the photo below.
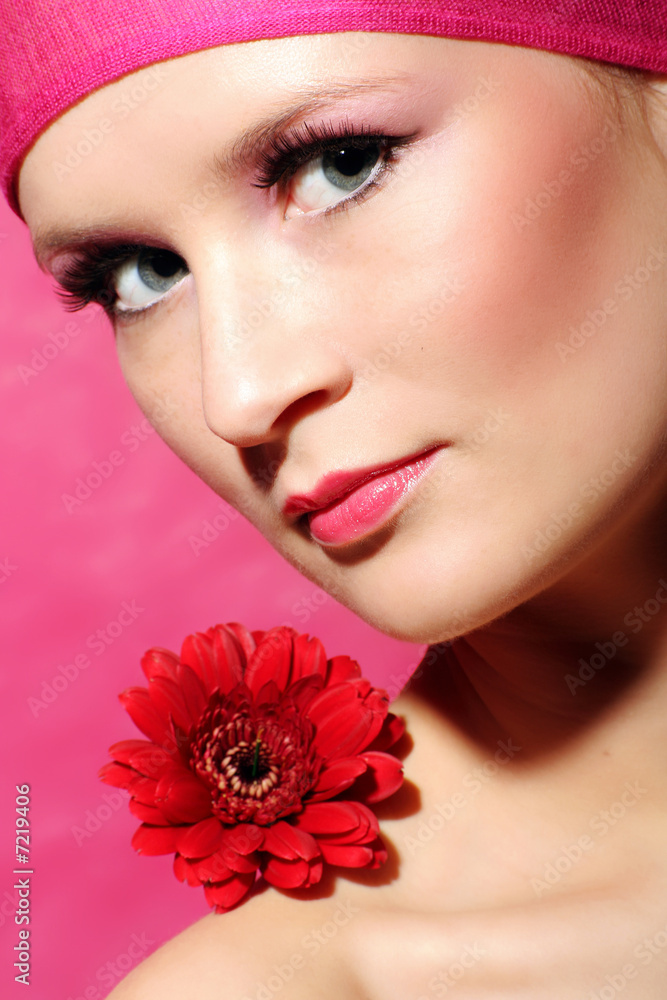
(286, 841)
(184, 871)
(138, 705)
(142, 788)
(364, 830)
(309, 657)
(117, 775)
(197, 653)
(336, 776)
(151, 760)
(390, 734)
(211, 869)
(155, 839)
(245, 838)
(230, 656)
(159, 662)
(287, 874)
(363, 834)
(147, 814)
(332, 699)
(347, 855)
(246, 640)
(271, 660)
(345, 722)
(341, 669)
(122, 751)
(193, 690)
(202, 839)
(218, 657)
(228, 894)
(383, 778)
(182, 797)
(267, 696)
(238, 862)
(334, 817)
(167, 696)
(303, 691)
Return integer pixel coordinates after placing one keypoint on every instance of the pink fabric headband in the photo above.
(54, 52)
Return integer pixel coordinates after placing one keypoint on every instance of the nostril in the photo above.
(302, 407)
(263, 462)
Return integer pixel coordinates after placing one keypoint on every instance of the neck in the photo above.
(530, 729)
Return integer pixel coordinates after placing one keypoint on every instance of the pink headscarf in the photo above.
(54, 52)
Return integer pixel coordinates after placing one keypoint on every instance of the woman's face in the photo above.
(485, 288)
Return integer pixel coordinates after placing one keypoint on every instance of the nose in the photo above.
(266, 361)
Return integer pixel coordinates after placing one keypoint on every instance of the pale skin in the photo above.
(528, 848)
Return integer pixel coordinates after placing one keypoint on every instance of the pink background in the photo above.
(66, 575)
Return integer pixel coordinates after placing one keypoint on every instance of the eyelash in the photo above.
(289, 151)
(89, 277)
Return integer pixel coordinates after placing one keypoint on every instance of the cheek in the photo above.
(502, 250)
(519, 280)
(161, 361)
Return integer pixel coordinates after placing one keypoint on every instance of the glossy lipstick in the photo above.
(347, 506)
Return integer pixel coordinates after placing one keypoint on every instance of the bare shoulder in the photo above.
(356, 945)
(272, 944)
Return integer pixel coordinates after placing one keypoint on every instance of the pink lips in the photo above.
(348, 505)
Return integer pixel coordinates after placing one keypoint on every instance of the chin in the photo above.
(426, 614)
(419, 627)
(424, 599)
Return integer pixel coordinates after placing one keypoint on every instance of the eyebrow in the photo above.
(237, 157)
(243, 151)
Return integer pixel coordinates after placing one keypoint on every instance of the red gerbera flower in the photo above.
(262, 759)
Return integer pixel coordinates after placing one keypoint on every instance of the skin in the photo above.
(539, 529)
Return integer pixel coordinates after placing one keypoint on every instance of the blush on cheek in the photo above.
(532, 226)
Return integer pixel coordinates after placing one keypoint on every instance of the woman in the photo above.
(300, 237)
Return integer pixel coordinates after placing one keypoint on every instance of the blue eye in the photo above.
(349, 168)
(123, 278)
(318, 164)
(144, 279)
(349, 164)
(330, 179)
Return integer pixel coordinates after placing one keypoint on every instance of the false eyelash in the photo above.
(87, 277)
(290, 150)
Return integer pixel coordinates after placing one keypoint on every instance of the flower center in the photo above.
(246, 769)
(257, 768)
